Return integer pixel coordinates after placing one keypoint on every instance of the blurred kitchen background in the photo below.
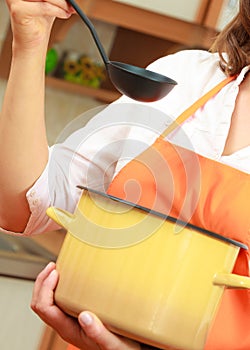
(131, 31)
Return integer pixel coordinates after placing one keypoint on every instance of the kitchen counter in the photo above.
(25, 257)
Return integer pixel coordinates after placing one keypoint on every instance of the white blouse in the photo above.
(95, 153)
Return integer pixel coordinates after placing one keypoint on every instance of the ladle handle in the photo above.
(92, 30)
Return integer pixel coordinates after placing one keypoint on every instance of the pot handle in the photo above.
(60, 216)
(231, 280)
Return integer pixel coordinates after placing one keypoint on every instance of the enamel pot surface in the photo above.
(146, 276)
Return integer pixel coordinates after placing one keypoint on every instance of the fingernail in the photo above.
(49, 265)
(85, 319)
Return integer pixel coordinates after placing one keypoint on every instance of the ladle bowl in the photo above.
(138, 83)
(135, 82)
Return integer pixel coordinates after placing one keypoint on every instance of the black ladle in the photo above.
(137, 83)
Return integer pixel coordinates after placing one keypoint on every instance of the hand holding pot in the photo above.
(88, 333)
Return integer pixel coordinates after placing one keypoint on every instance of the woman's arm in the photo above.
(23, 142)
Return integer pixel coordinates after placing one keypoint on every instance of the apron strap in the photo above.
(196, 105)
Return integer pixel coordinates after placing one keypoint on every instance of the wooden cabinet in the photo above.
(141, 37)
(189, 11)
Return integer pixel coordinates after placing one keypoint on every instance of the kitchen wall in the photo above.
(185, 10)
(230, 9)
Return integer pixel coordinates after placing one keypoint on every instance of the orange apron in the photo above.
(206, 193)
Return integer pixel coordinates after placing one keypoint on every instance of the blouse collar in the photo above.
(242, 74)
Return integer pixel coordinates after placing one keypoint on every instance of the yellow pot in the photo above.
(145, 276)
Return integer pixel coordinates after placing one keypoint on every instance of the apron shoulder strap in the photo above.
(196, 105)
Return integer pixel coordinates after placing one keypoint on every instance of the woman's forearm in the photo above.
(23, 143)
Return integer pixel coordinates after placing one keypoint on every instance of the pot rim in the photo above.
(166, 217)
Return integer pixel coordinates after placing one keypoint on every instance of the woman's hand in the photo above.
(32, 20)
(88, 333)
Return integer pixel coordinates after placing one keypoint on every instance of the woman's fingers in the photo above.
(39, 282)
(99, 334)
(87, 333)
(43, 305)
(32, 22)
(40, 279)
(63, 4)
(42, 302)
(32, 9)
(43, 292)
(23, 12)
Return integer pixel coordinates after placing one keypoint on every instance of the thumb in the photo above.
(99, 334)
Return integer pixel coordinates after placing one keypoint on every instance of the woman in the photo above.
(34, 177)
